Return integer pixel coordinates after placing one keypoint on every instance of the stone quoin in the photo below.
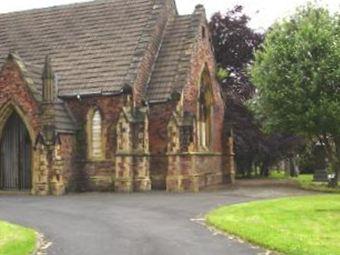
(115, 95)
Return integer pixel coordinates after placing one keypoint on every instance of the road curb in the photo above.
(42, 245)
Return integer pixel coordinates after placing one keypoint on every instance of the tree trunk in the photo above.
(265, 169)
(292, 168)
(255, 169)
(248, 168)
(286, 167)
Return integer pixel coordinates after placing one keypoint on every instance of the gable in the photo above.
(30, 78)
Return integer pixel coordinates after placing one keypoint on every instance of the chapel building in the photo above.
(110, 95)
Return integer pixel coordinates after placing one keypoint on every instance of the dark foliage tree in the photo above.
(234, 45)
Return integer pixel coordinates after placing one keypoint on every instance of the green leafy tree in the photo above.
(297, 76)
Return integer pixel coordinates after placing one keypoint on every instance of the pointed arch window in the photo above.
(205, 110)
(95, 143)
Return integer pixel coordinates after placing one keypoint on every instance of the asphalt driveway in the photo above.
(155, 223)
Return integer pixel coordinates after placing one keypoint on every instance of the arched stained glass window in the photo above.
(95, 143)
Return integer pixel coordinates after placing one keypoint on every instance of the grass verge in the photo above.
(16, 240)
(294, 226)
(305, 181)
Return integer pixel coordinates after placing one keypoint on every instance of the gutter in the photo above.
(89, 94)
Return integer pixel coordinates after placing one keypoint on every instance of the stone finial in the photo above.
(127, 89)
(199, 6)
(48, 81)
(175, 96)
(127, 92)
(199, 9)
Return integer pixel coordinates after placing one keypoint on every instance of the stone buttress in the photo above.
(132, 155)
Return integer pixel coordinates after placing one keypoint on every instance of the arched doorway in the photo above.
(15, 155)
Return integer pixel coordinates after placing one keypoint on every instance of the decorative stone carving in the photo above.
(181, 142)
(41, 186)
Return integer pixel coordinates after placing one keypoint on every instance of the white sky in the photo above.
(262, 12)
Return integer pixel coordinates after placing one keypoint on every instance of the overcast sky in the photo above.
(262, 12)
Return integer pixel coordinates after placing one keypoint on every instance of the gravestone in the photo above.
(320, 175)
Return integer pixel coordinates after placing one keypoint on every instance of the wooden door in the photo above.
(15, 158)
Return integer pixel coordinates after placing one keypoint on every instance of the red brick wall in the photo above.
(13, 88)
(109, 107)
(93, 174)
(68, 149)
(160, 115)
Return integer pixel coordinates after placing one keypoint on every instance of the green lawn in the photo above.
(16, 240)
(305, 181)
(294, 226)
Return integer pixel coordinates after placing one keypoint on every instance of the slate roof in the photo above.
(64, 119)
(93, 45)
(173, 63)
